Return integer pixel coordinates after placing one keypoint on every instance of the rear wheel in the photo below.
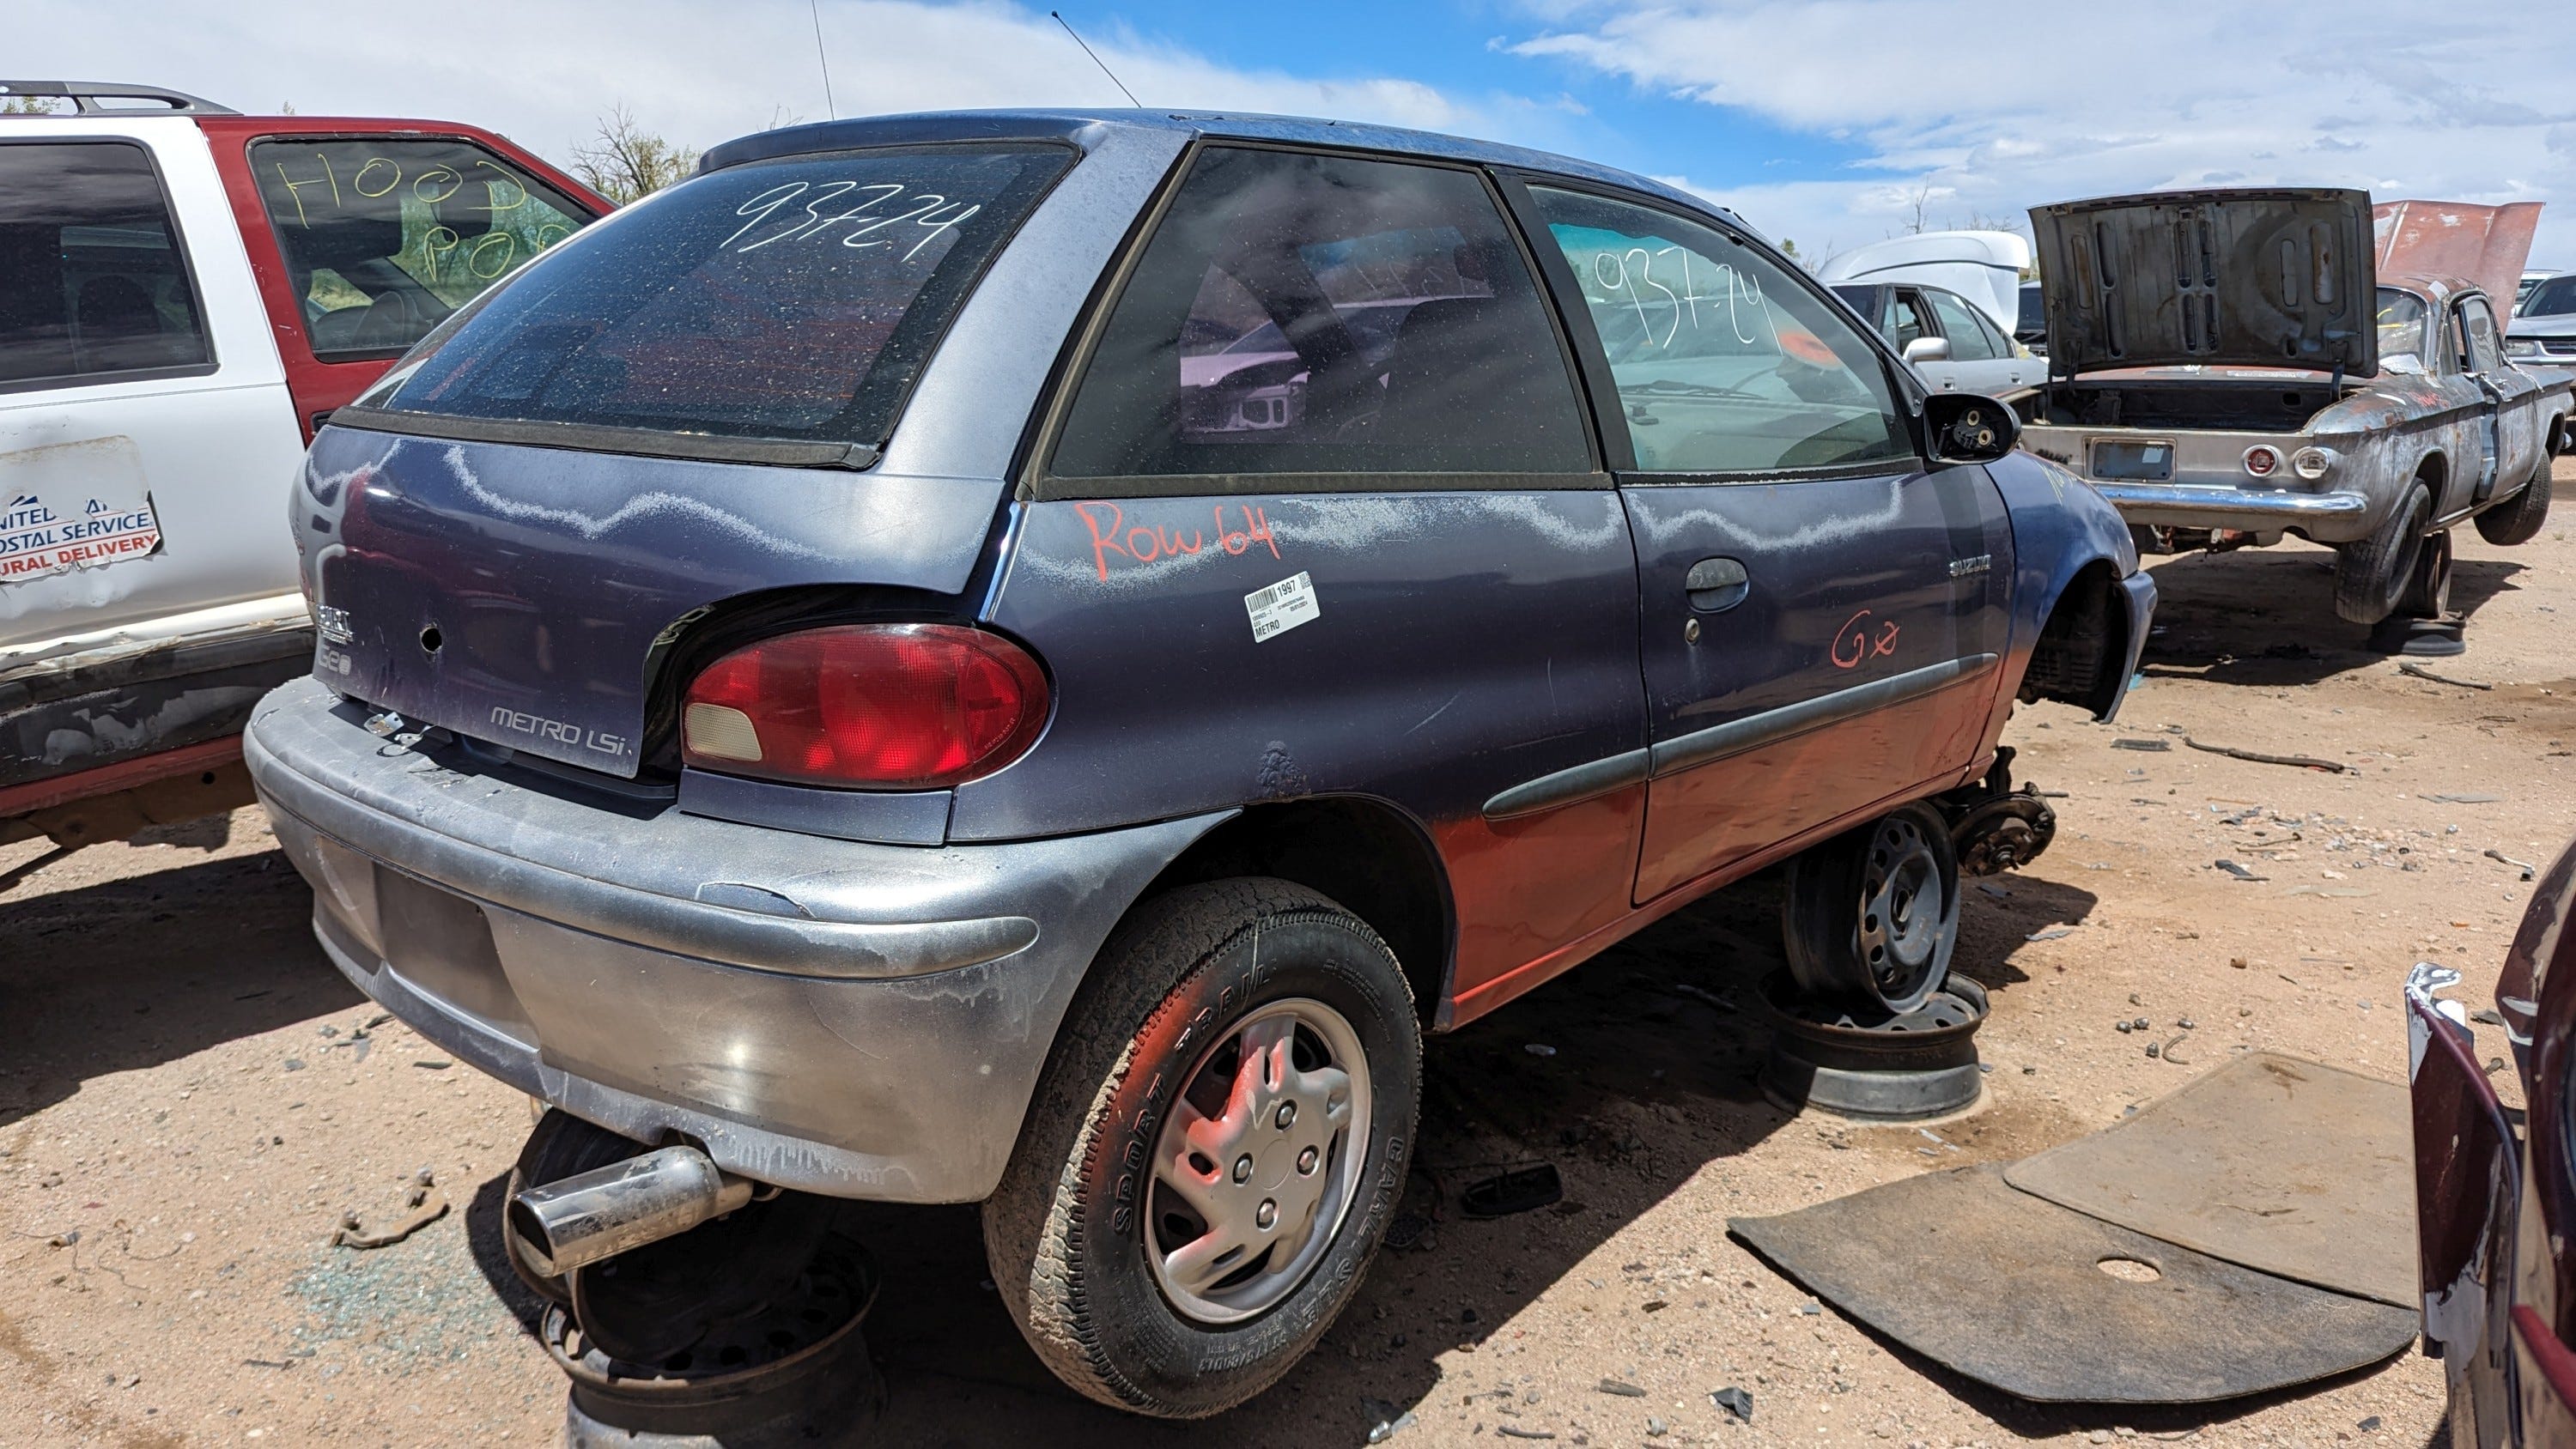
(2518, 519)
(1870, 917)
(1215, 1150)
(2372, 574)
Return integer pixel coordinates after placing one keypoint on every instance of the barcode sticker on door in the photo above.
(1281, 607)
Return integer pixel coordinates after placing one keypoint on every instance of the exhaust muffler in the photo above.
(575, 1221)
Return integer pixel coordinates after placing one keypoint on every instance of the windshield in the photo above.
(2401, 323)
(792, 299)
(2554, 297)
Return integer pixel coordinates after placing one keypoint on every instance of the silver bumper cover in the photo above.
(841, 1017)
(2340, 516)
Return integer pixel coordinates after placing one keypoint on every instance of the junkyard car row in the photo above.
(1030, 658)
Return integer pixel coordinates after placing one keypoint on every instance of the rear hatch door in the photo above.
(683, 404)
(517, 594)
(2227, 278)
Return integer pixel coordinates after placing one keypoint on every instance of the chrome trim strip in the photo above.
(2182, 498)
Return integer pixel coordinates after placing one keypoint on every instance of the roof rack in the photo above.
(85, 97)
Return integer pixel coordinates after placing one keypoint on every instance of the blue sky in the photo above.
(1833, 122)
(1464, 48)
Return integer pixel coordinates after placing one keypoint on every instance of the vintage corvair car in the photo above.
(2229, 368)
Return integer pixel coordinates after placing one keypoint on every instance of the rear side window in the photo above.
(384, 238)
(93, 283)
(794, 299)
(1969, 339)
(1725, 363)
(1300, 314)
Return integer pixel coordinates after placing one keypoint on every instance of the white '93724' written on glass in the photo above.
(1737, 297)
(859, 215)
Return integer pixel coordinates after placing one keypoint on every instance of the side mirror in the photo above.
(1928, 349)
(1967, 428)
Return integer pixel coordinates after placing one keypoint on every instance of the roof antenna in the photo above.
(1096, 60)
(815, 8)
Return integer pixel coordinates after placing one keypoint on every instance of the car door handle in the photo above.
(1716, 585)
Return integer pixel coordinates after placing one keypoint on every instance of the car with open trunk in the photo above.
(2230, 367)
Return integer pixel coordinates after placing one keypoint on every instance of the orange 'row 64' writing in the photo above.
(1143, 543)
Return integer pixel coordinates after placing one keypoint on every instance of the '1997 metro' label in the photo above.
(1282, 606)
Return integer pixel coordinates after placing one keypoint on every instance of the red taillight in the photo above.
(880, 706)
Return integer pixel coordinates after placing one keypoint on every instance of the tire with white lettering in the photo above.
(2372, 575)
(1214, 1150)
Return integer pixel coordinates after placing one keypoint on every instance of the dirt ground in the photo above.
(191, 1097)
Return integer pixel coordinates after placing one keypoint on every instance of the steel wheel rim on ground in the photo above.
(1246, 1199)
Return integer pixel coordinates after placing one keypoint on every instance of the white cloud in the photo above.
(543, 71)
(2002, 106)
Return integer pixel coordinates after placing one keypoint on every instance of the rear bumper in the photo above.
(846, 1018)
(2337, 517)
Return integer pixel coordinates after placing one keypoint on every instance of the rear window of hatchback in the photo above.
(793, 300)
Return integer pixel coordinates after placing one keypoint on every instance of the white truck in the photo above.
(184, 293)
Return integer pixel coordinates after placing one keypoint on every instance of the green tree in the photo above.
(627, 163)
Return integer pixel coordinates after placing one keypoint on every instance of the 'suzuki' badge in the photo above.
(1281, 607)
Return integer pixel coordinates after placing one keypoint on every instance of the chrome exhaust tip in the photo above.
(575, 1221)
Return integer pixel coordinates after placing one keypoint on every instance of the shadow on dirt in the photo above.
(133, 973)
(1651, 1080)
(2266, 617)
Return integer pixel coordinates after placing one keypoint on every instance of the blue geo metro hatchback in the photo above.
(1029, 658)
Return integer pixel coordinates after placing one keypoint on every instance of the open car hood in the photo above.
(2482, 244)
(2270, 277)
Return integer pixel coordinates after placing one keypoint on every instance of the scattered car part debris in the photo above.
(796, 1371)
(1538, 1049)
(1921, 1063)
(1523, 1189)
(2158, 746)
(2014, 1291)
(2238, 871)
(426, 1205)
(1620, 1387)
(2305, 762)
(1388, 1428)
(2051, 934)
(2473, 798)
(1734, 1401)
(2420, 672)
(2525, 867)
(2287, 1166)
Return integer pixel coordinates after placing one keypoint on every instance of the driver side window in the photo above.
(1724, 361)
